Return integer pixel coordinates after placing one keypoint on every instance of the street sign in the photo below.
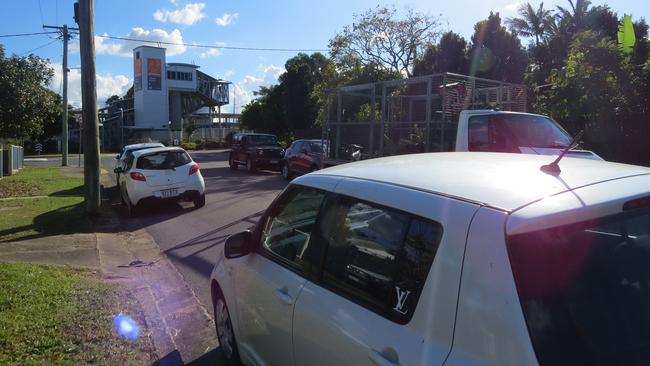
(38, 148)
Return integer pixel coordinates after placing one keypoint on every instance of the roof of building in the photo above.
(500, 180)
(182, 64)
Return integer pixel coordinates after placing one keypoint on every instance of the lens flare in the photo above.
(126, 327)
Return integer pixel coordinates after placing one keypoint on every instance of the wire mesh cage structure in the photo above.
(418, 114)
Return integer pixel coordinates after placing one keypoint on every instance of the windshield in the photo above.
(509, 132)
(163, 160)
(585, 290)
(262, 140)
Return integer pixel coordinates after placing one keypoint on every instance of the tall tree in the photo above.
(496, 53)
(380, 37)
(449, 55)
(25, 102)
(532, 23)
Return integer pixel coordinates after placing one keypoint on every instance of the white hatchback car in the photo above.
(445, 258)
(127, 150)
(162, 173)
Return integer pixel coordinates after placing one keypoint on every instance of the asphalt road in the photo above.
(191, 238)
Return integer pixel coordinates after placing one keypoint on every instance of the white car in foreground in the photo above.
(162, 173)
(127, 150)
(444, 258)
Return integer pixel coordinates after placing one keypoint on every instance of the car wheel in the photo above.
(199, 201)
(231, 163)
(249, 165)
(225, 333)
(286, 172)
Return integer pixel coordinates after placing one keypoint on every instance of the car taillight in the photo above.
(138, 176)
(194, 168)
(636, 203)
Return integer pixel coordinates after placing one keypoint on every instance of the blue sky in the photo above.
(266, 24)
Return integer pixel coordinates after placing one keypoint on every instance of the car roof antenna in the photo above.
(554, 167)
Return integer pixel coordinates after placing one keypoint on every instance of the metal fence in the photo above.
(418, 114)
(12, 159)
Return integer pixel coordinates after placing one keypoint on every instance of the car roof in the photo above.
(138, 153)
(500, 180)
(142, 145)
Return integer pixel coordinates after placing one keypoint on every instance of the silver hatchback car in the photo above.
(444, 258)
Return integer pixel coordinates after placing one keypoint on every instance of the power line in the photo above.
(39, 47)
(211, 46)
(24, 34)
(40, 10)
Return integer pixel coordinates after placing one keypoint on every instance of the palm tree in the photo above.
(574, 19)
(532, 23)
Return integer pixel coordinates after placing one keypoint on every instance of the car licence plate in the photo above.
(169, 192)
(273, 161)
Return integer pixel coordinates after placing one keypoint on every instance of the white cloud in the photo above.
(226, 19)
(230, 73)
(243, 91)
(212, 52)
(125, 48)
(107, 85)
(188, 15)
(511, 8)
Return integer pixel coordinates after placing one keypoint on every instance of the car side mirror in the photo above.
(118, 170)
(238, 245)
(117, 157)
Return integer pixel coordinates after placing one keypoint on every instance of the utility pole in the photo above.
(65, 34)
(85, 19)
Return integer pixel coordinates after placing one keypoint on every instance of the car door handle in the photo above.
(283, 294)
(380, 360)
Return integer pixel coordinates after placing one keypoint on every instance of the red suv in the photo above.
(303, 156)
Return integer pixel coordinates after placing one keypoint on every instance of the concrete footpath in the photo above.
(181, 329)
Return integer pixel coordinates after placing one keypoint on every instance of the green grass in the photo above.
(61, 212)
(63, 316)
(39, 181)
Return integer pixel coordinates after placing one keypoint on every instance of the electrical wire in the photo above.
(40, 10)
(24, 34)
(39, 47)
(211, 46)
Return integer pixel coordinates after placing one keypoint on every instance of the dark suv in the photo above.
(255, 151)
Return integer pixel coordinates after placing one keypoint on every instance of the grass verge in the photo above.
(60, 315)
(60, 212)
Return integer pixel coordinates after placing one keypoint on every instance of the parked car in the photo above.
(443, 258)
(162, 173)
(255, 151)
(127, 151)
(303, 156)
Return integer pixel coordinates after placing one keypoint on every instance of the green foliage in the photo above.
(189, 145)
(189, 129)
(449, 55)
(25, 102)
(380, 37)
(496, 53)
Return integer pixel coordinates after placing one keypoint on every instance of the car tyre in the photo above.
(250, 166)
(286, 172)
(133, 210)
(231, 163)
(225, 333)
(199, 201)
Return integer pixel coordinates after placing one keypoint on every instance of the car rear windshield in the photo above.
(585, 290)
(262, 140)
(163, 160)
(509, 132)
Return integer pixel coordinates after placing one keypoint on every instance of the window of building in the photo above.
(375, 256)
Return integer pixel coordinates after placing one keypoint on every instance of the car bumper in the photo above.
(268, 163)
(187, 196)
